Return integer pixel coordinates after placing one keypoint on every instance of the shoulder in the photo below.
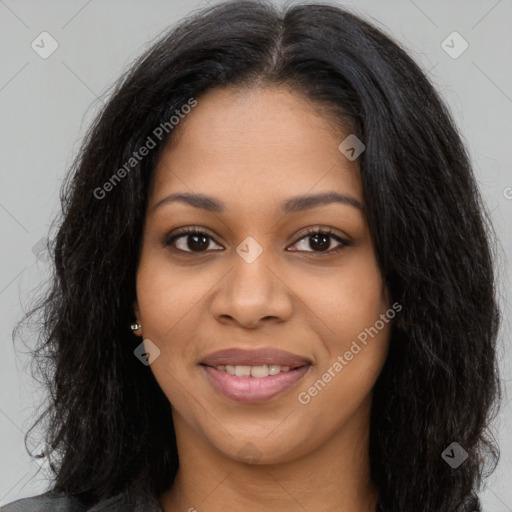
(57, 502)
(47, 502)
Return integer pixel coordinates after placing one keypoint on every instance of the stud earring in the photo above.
(135, 327)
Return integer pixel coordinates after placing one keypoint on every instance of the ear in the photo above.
(136, 312)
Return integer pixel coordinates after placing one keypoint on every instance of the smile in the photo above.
(253, 371)
(250, 389)
(253, 376)
(271, 373)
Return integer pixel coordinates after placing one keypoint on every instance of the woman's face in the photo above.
(254, 293)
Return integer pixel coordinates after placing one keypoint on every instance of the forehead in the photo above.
(259, 142)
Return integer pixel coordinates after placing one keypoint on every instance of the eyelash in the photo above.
(169, 240)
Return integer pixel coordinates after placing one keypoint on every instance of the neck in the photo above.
(334, 477)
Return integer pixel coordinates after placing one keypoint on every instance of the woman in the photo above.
(273, 266)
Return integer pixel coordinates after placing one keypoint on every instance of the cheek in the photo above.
(346, 299)
(169, 305)
(166, 296)
(355, 345)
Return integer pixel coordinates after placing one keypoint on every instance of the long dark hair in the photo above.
(109, 425)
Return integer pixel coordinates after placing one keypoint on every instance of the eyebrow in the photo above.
(292, 205)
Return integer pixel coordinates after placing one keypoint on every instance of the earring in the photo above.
(135, 326)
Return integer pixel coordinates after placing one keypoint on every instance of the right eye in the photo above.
(189, 240)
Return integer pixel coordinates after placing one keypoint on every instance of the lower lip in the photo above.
(254, 389)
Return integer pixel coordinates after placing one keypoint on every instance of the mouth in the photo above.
(257, 372)
(252, 376)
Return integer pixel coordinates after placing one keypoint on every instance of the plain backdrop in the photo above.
(47, 103)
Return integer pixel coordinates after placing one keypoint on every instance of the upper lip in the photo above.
(254, 357)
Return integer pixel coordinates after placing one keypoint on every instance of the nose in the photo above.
(252, 293)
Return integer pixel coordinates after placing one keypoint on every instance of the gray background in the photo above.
(46, 104)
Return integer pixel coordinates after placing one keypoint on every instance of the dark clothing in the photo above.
(54, 502)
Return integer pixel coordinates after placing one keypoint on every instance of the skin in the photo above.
(252, 149)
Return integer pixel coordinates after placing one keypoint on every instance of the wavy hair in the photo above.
(108, 424)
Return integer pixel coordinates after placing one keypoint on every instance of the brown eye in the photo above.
(190, 240)
(319, 241)
(196, 243)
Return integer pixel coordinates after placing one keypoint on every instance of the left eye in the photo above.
(197, 241)
(320, 241)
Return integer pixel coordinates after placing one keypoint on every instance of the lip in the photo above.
(255, 357)
(250, 389)
(247, 390)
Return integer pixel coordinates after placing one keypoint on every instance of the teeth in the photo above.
(274, 369)
(259, 371)
(253, 371)
(242, 371)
